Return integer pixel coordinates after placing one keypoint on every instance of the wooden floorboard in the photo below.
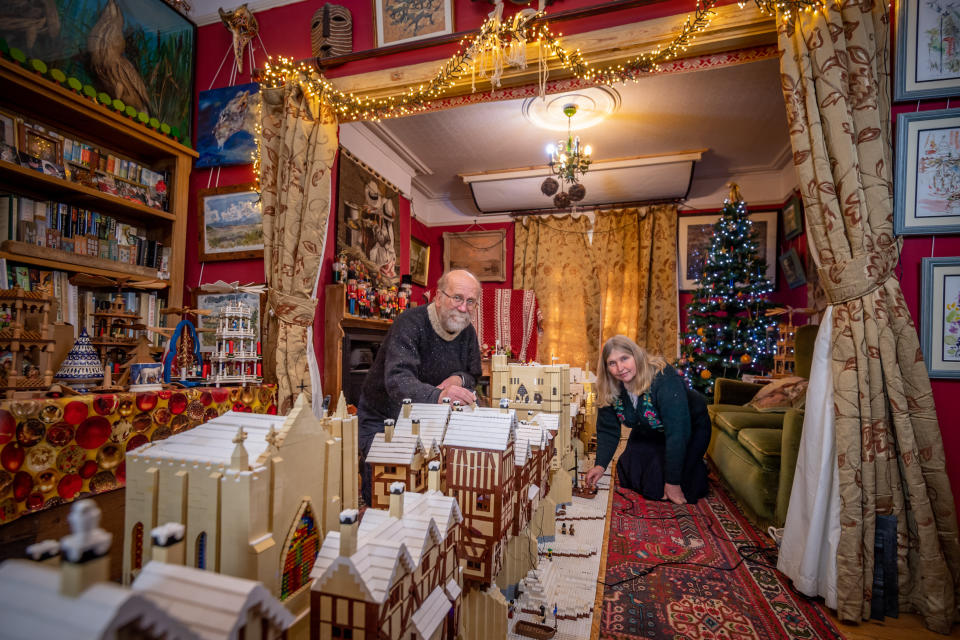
(907, 627)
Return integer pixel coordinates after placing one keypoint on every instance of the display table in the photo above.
(57, 450)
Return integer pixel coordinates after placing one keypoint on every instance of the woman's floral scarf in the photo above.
(645, 407)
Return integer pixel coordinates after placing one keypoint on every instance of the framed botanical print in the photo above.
(940, 316)
(419, 261)
(696, 236)
(793, 218)
(231, 223)
(927, 180)
(928, 58)
(482, 253)
(404, 20)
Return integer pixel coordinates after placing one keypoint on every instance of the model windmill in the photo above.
(181, 360)
(783, 357)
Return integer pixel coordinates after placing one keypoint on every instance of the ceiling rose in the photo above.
(593, 105)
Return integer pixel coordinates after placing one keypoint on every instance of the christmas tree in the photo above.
(726, 319)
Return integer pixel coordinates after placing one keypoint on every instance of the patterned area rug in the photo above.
(689, 595)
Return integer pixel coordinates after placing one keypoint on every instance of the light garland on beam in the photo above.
(511, 36)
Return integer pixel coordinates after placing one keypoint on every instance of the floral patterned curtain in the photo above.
(552, 257)
(835, 76)
(618, 275)
(297, 147)
(635, 251)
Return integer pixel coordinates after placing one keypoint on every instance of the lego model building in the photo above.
(255, 492)
(65, 592)
(28, 336)
(236, 356)
(394, 575)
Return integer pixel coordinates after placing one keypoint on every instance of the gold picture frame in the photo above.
(236, 236)
(482, 253)
(419, 261)
(394, 24)
(39, 144)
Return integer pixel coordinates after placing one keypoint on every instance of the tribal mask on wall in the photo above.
(331, 31)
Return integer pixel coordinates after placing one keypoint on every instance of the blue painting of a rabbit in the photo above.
(226, 125)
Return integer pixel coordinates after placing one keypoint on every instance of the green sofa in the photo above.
(756, 452)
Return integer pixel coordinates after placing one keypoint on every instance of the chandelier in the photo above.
(569, 161)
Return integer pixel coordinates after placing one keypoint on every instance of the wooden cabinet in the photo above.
(33, 97)
(351, 343)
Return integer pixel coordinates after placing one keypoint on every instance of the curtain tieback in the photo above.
(860, 275)
(292, 309)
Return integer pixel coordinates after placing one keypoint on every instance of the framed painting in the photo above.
(696, 236)
(793, 218)
(792, 268)
(216, 301)
(928, 60)
(482, 253)
(231, 223)
(155, 45)
(40, 144)
(226, 125)
(408, 20)
(368, 227)
(927, 180)
(940, 316)
(419, 261)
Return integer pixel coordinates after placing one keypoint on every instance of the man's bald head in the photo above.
(459, 279)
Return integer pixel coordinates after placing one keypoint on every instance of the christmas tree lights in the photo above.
(726, 320)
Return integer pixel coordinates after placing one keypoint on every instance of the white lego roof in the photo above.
(453, 589)
(384, 542)
(433, 422)
(400, 450)
(549, 420)
(31, 607)
(427, 411)
(212, 605)
(480, 430)
(431, 613)
(528, 435)
(212, 442)
(532, 492)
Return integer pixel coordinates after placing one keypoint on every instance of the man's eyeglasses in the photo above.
(459, 300)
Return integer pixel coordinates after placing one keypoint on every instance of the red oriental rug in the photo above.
(697, 571)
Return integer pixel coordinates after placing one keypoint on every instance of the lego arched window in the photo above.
(303, 543)
(201, 550)
(136, 547)
(537, 398)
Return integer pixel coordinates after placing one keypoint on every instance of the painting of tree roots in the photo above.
(405, 20)
(141, 52)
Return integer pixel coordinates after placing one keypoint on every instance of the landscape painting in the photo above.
(226, 125)
(141, 52)
(231, 223)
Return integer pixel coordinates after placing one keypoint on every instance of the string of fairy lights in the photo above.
(488, 47)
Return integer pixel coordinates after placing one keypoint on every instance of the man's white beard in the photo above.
(456, 321)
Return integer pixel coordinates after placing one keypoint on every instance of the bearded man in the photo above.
(430, 353)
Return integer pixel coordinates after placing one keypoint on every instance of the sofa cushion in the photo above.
(781, 395)
(763, 445)
(731, 422)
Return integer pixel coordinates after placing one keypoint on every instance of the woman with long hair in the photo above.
(669, 425)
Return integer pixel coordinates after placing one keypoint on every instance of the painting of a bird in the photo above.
(117, 74)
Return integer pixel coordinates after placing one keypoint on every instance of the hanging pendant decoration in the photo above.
(244, 26)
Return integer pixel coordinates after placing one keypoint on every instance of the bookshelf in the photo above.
(40, 99)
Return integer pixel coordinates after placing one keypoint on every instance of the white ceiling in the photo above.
(736, 113)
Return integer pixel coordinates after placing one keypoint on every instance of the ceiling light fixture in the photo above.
(569, 161)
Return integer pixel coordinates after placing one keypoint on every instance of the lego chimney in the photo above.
(504, 405)
(407, 407)
(433, 476)
(86, 559)
(168, 543)
(396, 499)
(388, 425)
(415, 426)
(348, 532)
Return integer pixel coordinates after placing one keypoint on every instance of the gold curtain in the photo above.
(623, 281)
(635, 251)
(890, 460)
(552, 257)
(297, 147)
